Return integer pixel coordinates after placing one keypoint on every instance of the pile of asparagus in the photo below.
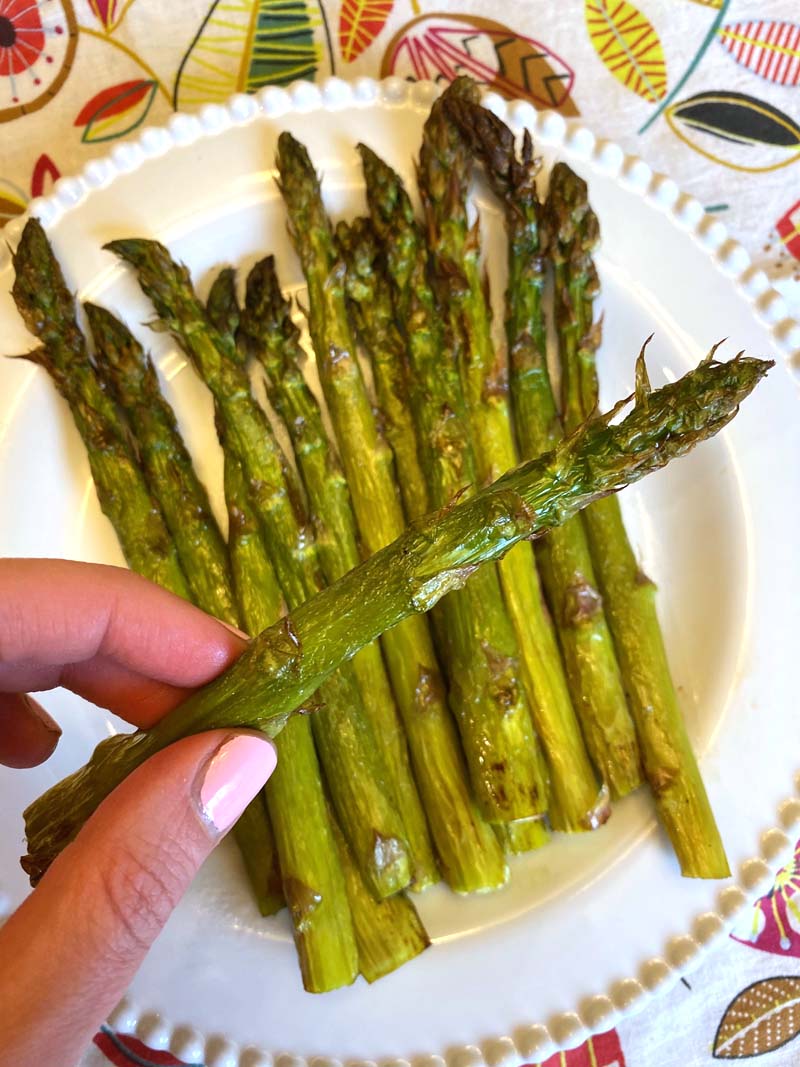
(536, 689)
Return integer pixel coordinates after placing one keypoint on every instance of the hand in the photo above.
(69, 952)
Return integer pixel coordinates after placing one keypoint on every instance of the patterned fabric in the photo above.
(705, 90)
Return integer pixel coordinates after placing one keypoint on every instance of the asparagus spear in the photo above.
(222, 308)
(502, 791)
(285, 664)
(523, 835)
(256, 840)
(409, 648)
(222, 305)
(268, 334)
(479, 612)
(350, 755)
(47, 307)
(261, 856)
(630, 597)
(371, 306)
(444, 178)
(313, 878)
(128, 374)
(130, 377)
(370, 299)
(564, 559)
(388, 932)
(136, 517)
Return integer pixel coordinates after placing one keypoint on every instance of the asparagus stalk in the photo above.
(313, 878)
(479, 612)
(256, 840)
(388, 932)
(444, 175)
(119, 481)
(370, 299)
(524, 835)
(222, 304)
(351, 757)
(286, 663)
(490, 707)
(371, 306)
(46, 305)
(268, 334)
(670, 766)
(574, 235)
(409, 648)
(130, 377)
(254, 829)
(565, 563)
(369, 290)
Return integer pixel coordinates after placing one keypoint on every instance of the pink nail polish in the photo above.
(233, 776)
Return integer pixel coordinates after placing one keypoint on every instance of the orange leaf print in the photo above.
(114, 100)
(761, 1018)
(360, 22)
(628, 46)
(440, 46)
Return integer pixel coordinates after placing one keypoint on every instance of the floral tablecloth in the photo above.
(705, 90)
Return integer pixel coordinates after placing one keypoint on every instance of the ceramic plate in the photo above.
(590, 926)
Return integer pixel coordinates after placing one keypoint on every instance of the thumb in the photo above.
(69, 952)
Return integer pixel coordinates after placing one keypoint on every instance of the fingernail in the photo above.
(235, 630)
(38, 712)
(235, 773)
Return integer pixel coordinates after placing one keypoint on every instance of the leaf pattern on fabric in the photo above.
(360, 22)
(13, 201)
(761, 1018)
(737, 130)
(37, 50)
(104, 11)
(788, 230)
(243, 45)
(124, 1051)
(45, 174)
(628, 46)
(773, 925)
(769, 49)
(603, 1050)
(442, 46)
(116, 111)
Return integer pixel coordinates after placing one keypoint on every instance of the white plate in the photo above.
(589, 926)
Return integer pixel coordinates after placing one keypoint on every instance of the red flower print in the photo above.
(37, 47)
(21, 36)
(773, 925)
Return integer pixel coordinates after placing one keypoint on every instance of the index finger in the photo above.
(70, 623)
